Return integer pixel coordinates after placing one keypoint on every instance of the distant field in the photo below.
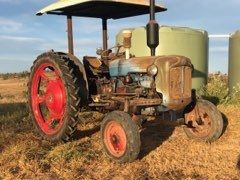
(166, 152)
(13, 90)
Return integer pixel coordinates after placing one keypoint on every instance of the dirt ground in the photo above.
(166, 152)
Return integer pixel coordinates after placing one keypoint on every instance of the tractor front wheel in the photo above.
(120, 136)
(53, 97)
(203, 121)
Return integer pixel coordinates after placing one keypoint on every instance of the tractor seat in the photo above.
(95, 64)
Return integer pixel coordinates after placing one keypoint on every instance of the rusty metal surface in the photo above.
(122, 90)
(125, 102)
(124, 94)
(138, 101)
(180, 82)
(199, 121)
(175, 86)
(106, 89)
(145, 102)
(114, 9)
(126, 91)
(173, 80)
(187, 82)
(177, 104)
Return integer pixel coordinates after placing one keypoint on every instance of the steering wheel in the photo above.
(105, 53)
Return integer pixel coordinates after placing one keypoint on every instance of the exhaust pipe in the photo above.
(152, 30)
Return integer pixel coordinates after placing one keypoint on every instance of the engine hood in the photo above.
(122, 67)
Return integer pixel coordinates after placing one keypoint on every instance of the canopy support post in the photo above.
(105, 34)
(70, 35)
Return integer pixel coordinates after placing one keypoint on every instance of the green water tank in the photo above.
(234, 61)
(188, 42)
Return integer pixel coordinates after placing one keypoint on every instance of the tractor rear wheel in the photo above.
(54, 96)
(120, 136)
(203, 121)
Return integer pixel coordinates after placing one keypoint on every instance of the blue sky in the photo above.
(23, 36)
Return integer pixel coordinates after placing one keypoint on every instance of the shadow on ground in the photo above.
(12, 109)
(14, 120)
(91, 123)
(212, 99)
(238, 163)
(85, 133)
(154, 133)
(225, 122)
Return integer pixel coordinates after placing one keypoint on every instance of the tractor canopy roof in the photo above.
(108, 9)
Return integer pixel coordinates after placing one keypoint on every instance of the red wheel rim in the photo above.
(115, 139)
(48, 98)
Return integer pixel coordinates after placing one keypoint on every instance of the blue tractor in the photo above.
(126, 88)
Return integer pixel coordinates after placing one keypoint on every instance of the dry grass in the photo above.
(13, 90)
(217, 90)
(166, 152)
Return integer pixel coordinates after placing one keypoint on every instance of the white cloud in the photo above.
(81, 45)
(20, 38)
(9, 25)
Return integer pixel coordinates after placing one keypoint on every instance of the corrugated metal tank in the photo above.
(234, 60)
(187, 42)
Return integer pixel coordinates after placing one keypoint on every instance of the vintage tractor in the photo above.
(126, 88)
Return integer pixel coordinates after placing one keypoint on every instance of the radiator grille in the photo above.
(180, 82)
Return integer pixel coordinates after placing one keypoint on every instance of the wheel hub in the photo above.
(115, 139)
(116, 142)
(54, 97)
(199, 122)
(50, 97)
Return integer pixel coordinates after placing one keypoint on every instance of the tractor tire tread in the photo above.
(71, 80)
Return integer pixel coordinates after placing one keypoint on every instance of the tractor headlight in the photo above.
(152, 70)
